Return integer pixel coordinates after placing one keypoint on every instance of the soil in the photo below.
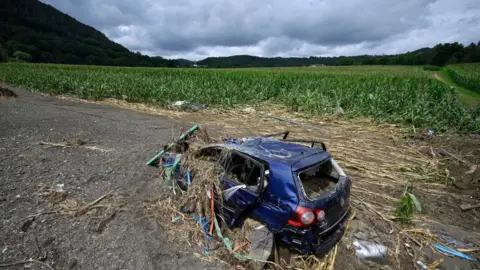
(119, 137)
(119, 142)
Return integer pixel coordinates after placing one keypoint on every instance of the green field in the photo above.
(394, 94)
(466, 75)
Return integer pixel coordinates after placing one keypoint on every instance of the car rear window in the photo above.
(318, 179)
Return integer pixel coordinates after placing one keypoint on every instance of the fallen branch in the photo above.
(466, 207)
(39, 214)
(25, 262)
(85, 209)
(74, 144)
(64, 145)
(446, 153)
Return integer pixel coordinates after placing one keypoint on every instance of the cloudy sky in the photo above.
(195, 29)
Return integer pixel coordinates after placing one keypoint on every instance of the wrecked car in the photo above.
(298, 192)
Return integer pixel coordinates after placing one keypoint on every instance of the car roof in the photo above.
(272, 150)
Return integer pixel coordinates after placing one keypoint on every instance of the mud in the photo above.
(123, 239)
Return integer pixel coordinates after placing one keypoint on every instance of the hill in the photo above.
(47, 35)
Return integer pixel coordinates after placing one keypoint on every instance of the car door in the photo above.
(239, 198)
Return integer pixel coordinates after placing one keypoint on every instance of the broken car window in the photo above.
(318, 179)
(244, 171)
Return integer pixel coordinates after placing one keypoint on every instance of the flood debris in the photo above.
(450, 241)
(221, 181)
(7, 93)
(71, 143)
(466, 207)
(432, 266)
(261, 245)
(444, 152)
(184, 105)
(248, 110)
(371, 251)
(452, 252)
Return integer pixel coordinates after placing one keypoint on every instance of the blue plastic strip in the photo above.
(452, 252)
(189, 181)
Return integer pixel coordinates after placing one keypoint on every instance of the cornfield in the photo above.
(388, 94)
(466, 75)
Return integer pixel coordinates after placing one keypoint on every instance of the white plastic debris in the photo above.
(248, 110)
(339, 111)
(59, 188)
(179, 103)
(230, 191)
(422, 265)
(371, 251)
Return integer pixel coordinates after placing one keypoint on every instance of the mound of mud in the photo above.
(7, 93)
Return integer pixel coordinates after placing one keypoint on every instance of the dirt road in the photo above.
(118, 143)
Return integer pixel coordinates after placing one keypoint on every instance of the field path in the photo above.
(467, 97)
(438, 77)
(119, 142)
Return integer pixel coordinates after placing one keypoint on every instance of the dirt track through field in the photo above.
(377, 157)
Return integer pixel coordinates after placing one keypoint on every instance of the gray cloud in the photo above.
(200, 28)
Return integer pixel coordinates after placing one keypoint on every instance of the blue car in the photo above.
(298, 192)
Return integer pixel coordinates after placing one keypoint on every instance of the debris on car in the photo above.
(297, 192)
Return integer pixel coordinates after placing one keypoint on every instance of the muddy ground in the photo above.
(94, 148)
(125, 141)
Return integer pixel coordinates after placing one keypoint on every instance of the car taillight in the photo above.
(302, 217)
(307, 218)
(320, 215)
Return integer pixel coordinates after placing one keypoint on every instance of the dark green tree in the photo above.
(22, 56)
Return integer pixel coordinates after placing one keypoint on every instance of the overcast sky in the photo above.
(196, 29)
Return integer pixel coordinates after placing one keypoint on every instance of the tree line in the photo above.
(439, 55)
(32, 31)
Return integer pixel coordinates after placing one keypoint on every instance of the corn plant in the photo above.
(394, 94)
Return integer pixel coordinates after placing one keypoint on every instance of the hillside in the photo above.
(50, 36)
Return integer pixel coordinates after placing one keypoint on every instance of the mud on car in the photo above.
(298, 192)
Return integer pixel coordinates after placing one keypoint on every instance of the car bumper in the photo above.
(310, 240)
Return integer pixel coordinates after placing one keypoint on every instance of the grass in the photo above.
(467, 97)
(394, 94)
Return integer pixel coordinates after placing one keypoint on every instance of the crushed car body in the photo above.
(298, 192)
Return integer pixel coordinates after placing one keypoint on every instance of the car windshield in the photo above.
(318, 179)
